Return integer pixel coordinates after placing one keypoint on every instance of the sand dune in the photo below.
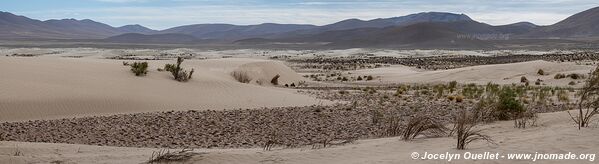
(52, 87)
(499, 73)
(555, 128)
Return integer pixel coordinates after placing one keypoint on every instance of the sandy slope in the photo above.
(53, 87)
(499, 73)
(554, 128)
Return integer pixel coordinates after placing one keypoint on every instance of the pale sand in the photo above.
(555, 133)
(498, 74)
(55, 87)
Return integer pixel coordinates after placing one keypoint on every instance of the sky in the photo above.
(162, 14)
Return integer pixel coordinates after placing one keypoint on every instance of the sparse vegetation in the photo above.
(166, 156)
(508, 106)
(178, 73)
(464, 124)
(422, 123)
(241, 76)
(588, 104)
(139, 68)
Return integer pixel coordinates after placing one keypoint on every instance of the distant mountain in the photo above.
(397, 21)
(516, 28)
(228, 31)
(582, 25)
(431, 34)
(14, 26)
(428, 28)
(135, 29)
(153, 38)
(82, 28)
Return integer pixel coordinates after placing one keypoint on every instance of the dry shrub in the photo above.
(275, 80)
(421, 123)
(391, 126)
(450, 98)
(588, 104)
(241, 76)
(459, 98)
(166, 156)
(464, 123)
(526, 118)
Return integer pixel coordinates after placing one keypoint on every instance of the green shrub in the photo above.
(139, 68)
(507, 105)
(178, 73)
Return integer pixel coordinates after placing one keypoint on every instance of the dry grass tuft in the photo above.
(464, 123)
(241, 76)
(422, 123)
(166, 156)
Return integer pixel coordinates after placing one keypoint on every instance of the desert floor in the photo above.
(554, 133)
(54, 86)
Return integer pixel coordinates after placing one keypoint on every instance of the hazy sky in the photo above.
(161, 14)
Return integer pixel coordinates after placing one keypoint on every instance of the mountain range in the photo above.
(427, 29)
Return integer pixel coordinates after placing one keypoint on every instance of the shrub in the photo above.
(523, 79)
(575, 76)
(169, 67)
(178, 73)
(422, 123)
(538, 82)
(572, 83)
(241, 76)
(459, 98)
(589, 96)
(275, 80)
(507, 105)
(464, 123)
(359, 78)
(541, 72)
(450, 98)
(559, 76)
(452, 85)
(525, 118)
(139, 68)
(369, 78)
(125, 63)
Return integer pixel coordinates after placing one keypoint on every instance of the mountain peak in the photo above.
(135, 28)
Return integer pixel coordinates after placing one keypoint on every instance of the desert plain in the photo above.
(84, 105)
